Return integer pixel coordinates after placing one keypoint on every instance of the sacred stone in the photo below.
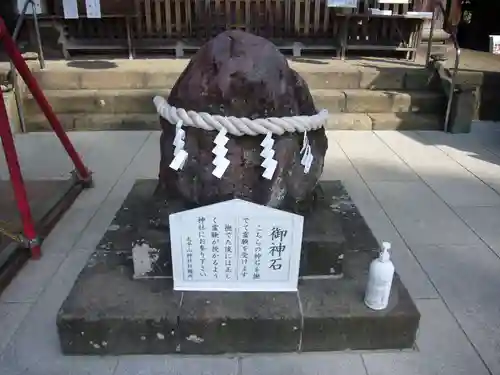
(242, 75)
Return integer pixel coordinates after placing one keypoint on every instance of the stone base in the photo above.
(141, 226)
(110, 312)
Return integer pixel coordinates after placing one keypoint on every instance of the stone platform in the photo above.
(109, 311)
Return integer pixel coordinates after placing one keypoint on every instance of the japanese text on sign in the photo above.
(256, 248)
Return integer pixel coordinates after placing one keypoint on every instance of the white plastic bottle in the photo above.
(380, 278)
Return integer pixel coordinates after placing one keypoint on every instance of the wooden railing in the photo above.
(269, 18)
(164, 18)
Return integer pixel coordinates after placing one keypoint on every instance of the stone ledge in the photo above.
(335, 317)
(386, 101)
(232, 322)
(148, 317)
(406, 121)
(162, 74)
(88, 122)
(349, 121)
(336, 121)
(131, 103)
(107, 312)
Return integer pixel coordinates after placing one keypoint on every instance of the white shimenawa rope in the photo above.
(240, 125)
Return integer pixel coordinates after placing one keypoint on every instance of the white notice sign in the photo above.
(93, 8)
(70, 8)
(342, 3)
(38, 6)
(236, 246)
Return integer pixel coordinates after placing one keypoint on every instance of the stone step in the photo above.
(162, 74)
(337, 121)
(335, 101)
(10, 105)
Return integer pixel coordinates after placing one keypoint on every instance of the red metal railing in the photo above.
(30, 236)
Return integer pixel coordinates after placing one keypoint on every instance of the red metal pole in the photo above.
(23, 69)
(16, 178)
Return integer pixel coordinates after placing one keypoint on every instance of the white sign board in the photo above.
(39, 6)
(236, 246)
(495, 44)
(424, 15)
(342, 3)
(93, 8)
(70, 8)
(393, 1)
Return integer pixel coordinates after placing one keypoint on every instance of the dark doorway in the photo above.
(480, 19)
(7, 12)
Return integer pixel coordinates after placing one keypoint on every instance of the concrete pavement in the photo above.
(434, 195)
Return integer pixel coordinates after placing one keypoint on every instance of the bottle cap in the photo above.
(384, 254)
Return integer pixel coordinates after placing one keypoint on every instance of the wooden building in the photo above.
(294, 25)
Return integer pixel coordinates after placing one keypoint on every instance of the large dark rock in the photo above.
(243, 75)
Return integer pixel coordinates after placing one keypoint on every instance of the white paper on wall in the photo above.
(342, 3)
(93, 8)
(38, 7)
(70, 9)
(393, 1)
(495, 44)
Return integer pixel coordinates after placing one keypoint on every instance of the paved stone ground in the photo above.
(435, 196)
